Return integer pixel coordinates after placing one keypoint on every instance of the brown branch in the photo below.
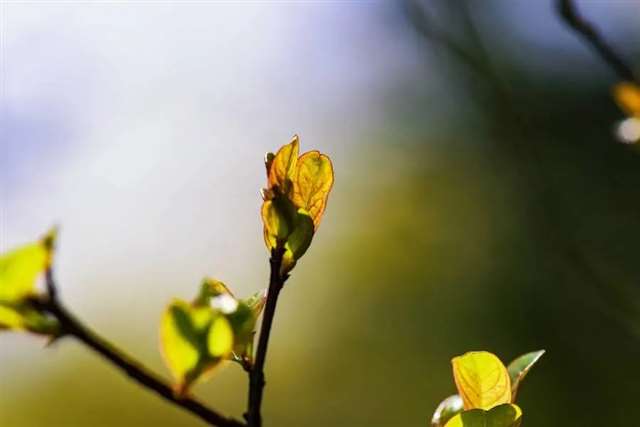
(71, 326)
(256, 375)
(570, 14)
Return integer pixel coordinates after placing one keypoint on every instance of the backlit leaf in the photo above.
(627, 95)
(23, 317)
(294, 200)
(298, 242)
(243, 321)
(482, 380)
(278, 215)
(519, 368)
(312, 183)
(211, 288)
(194, 340)
(506, 415)
(282, 166)
(220, 338)
(446, 410)
(10, 319)
(20, 268)
(256, 302)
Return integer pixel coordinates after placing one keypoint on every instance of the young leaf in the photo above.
(298, 242)
(312, 184)
(294, 200)
(282, 166)
(194, 340)
(243, 321)
(20, 268)
(482, 380)
(505, 415)
(211, 288)
(22, 316)
(627, 95)
(446, 410)
(220, 338)
(279, 216)
(11, 319)
(519, 368)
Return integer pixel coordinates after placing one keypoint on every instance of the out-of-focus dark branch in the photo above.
(427, 28)
(72, 327)
(479, 59)
(570, 15)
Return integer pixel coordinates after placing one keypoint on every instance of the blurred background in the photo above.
(482, 200)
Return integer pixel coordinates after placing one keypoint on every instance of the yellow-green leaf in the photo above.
(243, 322)
(506, 415)
(10, 318)
(482, 380)
(298, 241)
(211, 288)
(278, 217)
(282, 166)
(312, 183)
(20, 268)
(22, 316)
(220, 338)
(627, 95)
(447, 409)
(519, 368)
(194, 340)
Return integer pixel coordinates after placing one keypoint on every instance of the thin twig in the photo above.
(569, 12)
(427, 28)
(256, 376)
(71, 326)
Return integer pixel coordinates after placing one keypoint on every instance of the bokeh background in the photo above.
(482, 200)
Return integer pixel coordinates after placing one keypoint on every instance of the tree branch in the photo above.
(71, 326)
(569, 12)
(256, 375)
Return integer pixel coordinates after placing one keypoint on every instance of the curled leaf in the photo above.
(482, 380)
(446, 410)
(519, 368)
(277, 217)
(299, 241)
(505, 415)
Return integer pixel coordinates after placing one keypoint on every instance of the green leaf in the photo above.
(211, 288)
(312, 184)
(21, 316)
(298, 241)
(243, 322)
(220, 338)
(20, 268)
(278, 216)
(282, 166)
(506, 415)
(447, 409)
(482, 380)
(519, 368)
(194, 340)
